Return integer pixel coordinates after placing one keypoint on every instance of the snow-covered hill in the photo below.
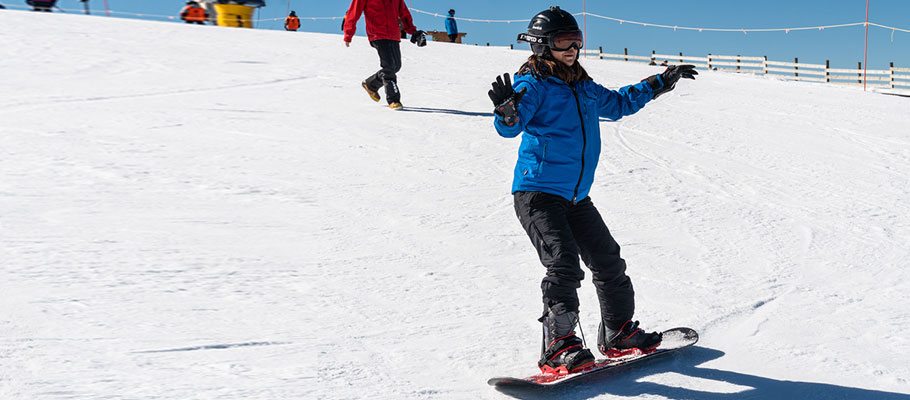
(207, 213)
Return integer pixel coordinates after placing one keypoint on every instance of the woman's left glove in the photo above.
(505, 99)
(666, 81)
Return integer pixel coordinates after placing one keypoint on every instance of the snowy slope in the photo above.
(206, 213)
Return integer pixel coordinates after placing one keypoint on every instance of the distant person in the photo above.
(382, 19)
(664, 64)
(292, 23)
(41, 5)
(452, 27)
(192, 13)
(2, 7)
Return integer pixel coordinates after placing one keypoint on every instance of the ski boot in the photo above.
(629, 340)
(373, 94)
(395, 105)
(562, 351)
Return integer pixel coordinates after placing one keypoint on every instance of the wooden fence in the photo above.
(892, 77)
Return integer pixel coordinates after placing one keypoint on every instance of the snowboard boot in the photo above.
(563, 352)
(373, 94)
(627, 341)
(395, 105)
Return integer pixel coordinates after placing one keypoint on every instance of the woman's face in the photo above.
(567, 57)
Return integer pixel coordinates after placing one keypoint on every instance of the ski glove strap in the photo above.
(505, 100)
(419, 38)
(666, 81)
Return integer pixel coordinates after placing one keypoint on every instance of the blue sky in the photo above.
(843, 46)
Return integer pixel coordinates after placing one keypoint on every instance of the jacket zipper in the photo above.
(584, 145)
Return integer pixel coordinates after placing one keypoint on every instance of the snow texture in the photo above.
(193, 212)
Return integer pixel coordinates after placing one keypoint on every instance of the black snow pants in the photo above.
(390, 64)
(561, 232)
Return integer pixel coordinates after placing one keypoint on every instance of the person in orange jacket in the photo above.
(193, 13)
(292, 23)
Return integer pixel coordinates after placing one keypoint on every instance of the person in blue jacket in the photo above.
(452, 26)
(556, 107)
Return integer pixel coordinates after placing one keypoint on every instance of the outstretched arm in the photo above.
(629, 99)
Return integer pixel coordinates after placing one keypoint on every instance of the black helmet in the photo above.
(544, 26)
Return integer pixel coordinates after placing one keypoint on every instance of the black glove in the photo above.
(668, 78)
(419, 38)
(505, 100)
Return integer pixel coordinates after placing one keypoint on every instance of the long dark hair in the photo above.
(543, 66)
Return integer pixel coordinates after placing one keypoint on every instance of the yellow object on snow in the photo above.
(235, 15)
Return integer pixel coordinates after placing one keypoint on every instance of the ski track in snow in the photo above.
(201, 213)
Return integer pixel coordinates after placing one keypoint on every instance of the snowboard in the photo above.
(673, 339)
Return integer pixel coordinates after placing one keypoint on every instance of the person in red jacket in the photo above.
(193, 13)
(383, 31)
(292, 23)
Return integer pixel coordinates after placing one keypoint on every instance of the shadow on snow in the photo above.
(628, 382)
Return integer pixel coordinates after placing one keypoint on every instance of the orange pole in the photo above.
(866, 51)
(107, 10)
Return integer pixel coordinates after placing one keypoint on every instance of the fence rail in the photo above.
(892, 77)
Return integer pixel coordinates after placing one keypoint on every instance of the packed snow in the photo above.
(193, 212)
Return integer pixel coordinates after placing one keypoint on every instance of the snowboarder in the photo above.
(292, 23)
(452, 26)
(192, 13)
(382, 18)
(555, 105)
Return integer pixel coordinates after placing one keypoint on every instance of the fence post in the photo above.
(859, 66)
(625, 51)
(764, 65)
(892, 74)
(652, 58)
(511, 46)
(488, 44)
(827, 73)
(709, 61)
(796, 67)
(601, 50)
(737, 62)
(681, 58)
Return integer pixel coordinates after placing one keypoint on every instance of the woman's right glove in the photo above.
(505, 100)
(666, 81)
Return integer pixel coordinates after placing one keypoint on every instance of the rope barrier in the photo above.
(677, 27)
(509, 21)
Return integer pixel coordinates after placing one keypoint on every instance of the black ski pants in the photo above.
(561, 232)
(390, 64)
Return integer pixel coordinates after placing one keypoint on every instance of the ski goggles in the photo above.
(559, 41)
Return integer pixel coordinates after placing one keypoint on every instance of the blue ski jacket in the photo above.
(451, 26)
(560, 146)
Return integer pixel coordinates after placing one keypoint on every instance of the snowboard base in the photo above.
(673, 339)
